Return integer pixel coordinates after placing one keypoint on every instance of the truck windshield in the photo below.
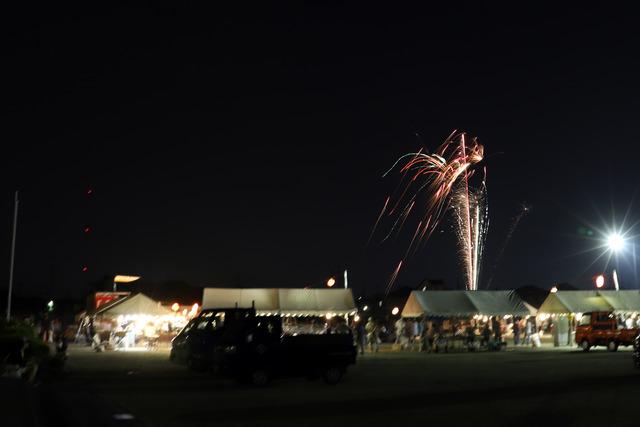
(586, 320)
(211, 321)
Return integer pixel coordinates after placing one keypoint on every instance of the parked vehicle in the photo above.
(195, 344)
(601, 328)
(253, 349)
(636, 352)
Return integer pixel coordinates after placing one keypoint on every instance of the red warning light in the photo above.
(87, 229)
(85, 269)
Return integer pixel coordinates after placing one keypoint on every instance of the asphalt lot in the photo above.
(520, 386)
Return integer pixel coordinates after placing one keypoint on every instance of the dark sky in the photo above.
(246, 147)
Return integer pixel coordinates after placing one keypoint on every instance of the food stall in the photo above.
(302, 310)
(135, 322)
(562, 311)
(458, 317)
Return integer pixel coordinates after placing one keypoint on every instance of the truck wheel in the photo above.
(612, 346)
(332, 375)
(196, 364)
(585, 345)
(260, 377)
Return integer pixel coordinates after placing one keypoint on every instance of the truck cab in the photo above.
(602, 328)
(254, 348)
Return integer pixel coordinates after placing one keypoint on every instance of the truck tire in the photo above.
(612, 346)
(332, 375)
(196, 364)
(585, 346)
(260, 377)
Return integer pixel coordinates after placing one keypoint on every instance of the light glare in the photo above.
(615, 242)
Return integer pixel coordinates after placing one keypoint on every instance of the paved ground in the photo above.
(522, 386)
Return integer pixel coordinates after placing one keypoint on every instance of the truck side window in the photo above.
(218, 321)
(202, 324)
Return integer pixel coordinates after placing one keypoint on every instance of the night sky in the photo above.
(246, 147)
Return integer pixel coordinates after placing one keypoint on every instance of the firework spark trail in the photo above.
(469, 209)
(393, 278)
(443, 178)
(524, 210)
(386, 202)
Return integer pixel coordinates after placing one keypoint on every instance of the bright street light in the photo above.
(395, 311)
(615, 242)
(554, 289)
(600, 281)
(331, 282)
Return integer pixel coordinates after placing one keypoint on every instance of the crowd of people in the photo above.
(433, 335)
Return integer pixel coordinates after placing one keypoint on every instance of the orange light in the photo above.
(194, 308)
(175, 306)
(331, 282)
(125, 279)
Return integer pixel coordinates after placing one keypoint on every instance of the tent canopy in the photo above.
(464, 303)
(622, 301)
(586, 301)
(314, 302)
(133, 304)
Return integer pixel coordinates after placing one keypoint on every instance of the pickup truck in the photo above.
(254, 349)
(602, 328)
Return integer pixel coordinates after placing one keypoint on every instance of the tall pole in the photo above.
(13, 254)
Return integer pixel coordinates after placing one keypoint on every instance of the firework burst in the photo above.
(443, 178)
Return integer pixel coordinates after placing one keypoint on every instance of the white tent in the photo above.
(309, 302)
(464, 303)
(138, 304)
(622, 301)
(586, 301)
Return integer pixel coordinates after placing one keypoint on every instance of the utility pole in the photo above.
(13, 254)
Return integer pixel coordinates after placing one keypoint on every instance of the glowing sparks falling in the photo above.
(471, 220)
(443, 177)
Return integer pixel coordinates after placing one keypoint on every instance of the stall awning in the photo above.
(586, 301)
(622, 301)
(313, 302)
(464, 303)
(133, 304)
(574, 302)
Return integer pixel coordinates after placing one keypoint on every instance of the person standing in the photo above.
(528, 331)
(399, 327)
(372, 334)
(415, 333)
(497, 332)
(486, 334)
(516, 331)
(45, 331)
(361, 337)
